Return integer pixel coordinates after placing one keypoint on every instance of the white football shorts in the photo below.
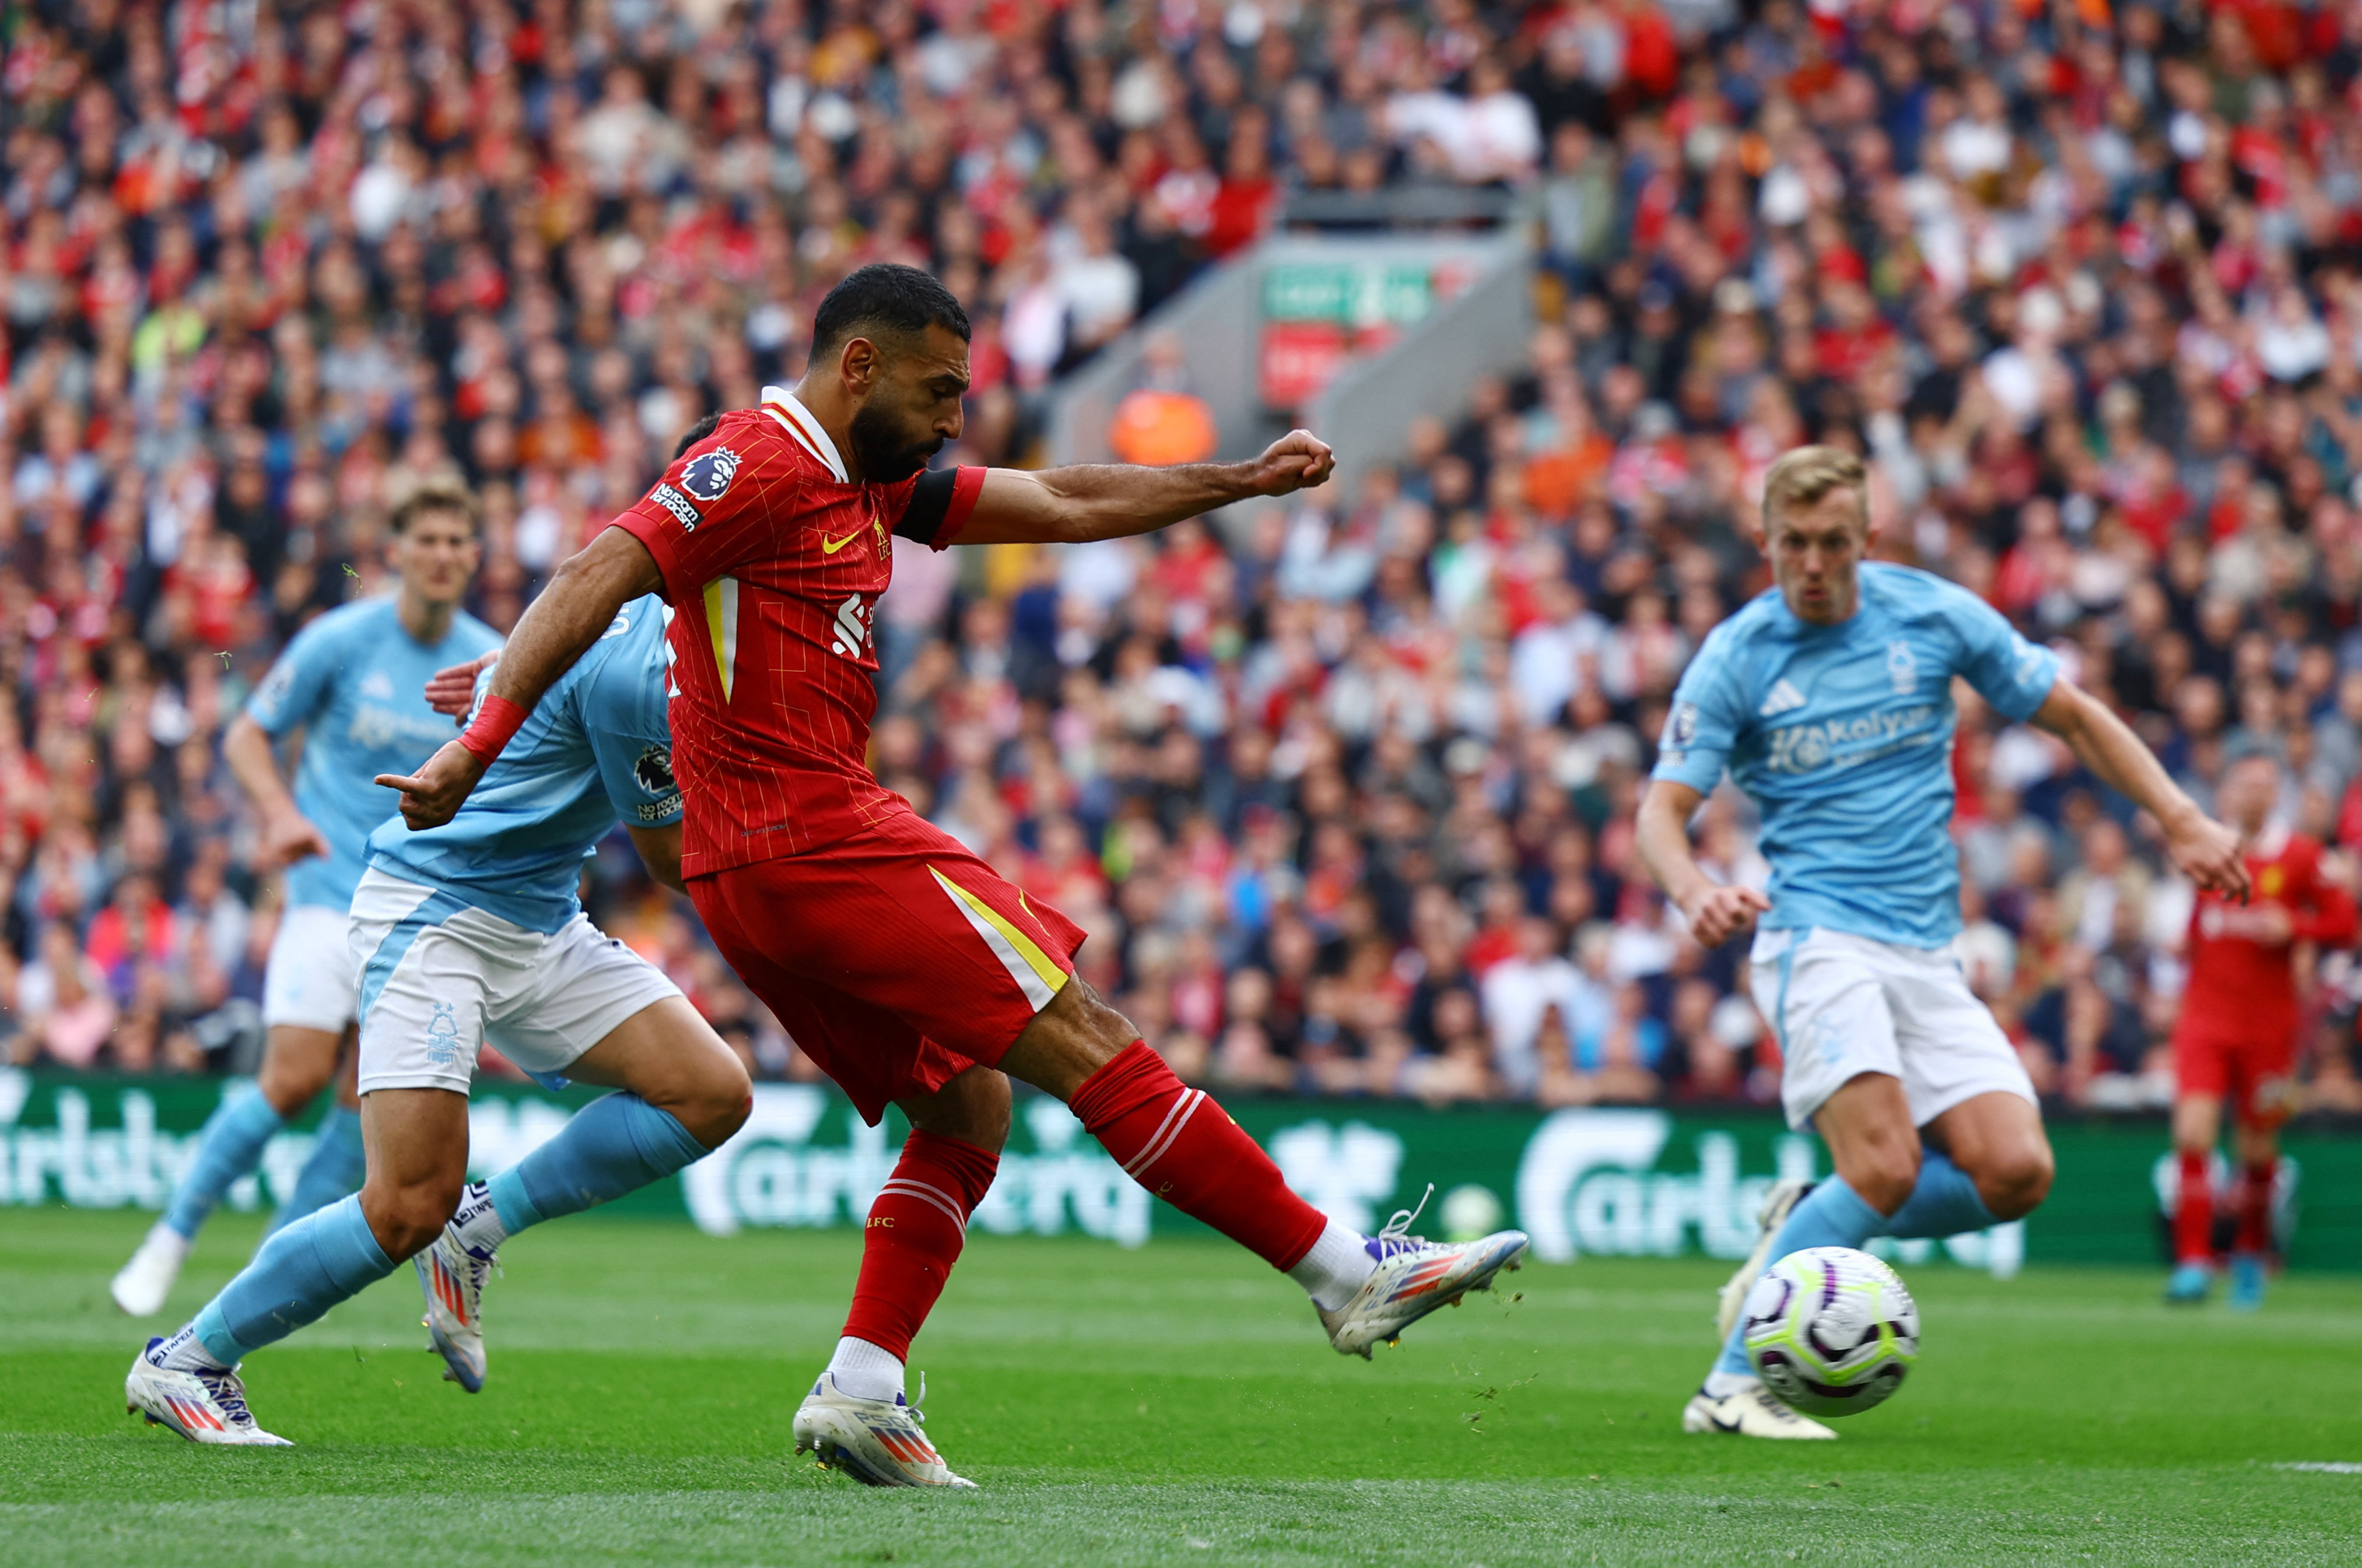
(311, 978)
(439, 976)
(1842, 1005)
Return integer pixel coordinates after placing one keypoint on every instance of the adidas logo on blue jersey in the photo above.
(1784, 697)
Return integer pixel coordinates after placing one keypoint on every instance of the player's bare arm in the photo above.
(660, 850)
(2207, 852)
(288, 835)
(580, 602)
(1112, 501)
(1716, 913)
(889, 400)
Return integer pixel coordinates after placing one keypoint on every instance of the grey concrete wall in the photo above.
(1365, 412)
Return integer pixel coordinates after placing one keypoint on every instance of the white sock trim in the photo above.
(186, 1353)
(1336, 1266)
(1721, 1385)
(865, 1371)
(477, 1223)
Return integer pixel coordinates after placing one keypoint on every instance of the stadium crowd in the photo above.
(1342, 788)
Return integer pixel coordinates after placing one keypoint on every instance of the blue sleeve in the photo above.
(2013, 675)
(1703, 723)
(300, 680)
(622, 713)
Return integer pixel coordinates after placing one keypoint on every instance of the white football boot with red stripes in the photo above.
(202, 1406)
(875, 1441)
(452, 1276)
(1414, 1277)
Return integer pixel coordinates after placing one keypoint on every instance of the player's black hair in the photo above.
(696, 433)
(885, 296)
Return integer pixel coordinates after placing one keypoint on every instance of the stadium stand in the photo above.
(1344, 789)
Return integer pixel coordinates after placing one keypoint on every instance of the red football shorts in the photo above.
(895, 957)
(2251, 1070)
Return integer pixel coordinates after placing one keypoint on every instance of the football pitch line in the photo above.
(1172, 1405)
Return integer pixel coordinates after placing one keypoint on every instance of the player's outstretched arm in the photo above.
(1716, 913)
(2207, 852)
(1108, 501)
(580, 602)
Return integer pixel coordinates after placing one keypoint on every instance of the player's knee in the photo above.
(975, 1108)
(711, 1115)
(1883, 1174)
(1104, 1033)
(405, 1220)
(1885, 1187)
(2014, 1185)
(717, 1105)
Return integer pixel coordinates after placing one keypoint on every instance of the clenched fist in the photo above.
(1297, 460)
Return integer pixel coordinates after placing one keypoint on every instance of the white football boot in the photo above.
(141, 1286)
(203, 1406)
(875, 1441)
(452, 1276)
(1777, 1205)
(1751, 1412)
(1414, 1277)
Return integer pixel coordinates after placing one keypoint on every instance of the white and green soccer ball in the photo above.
(1830, 1331)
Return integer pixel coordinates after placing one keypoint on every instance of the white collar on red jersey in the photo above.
(783, 406)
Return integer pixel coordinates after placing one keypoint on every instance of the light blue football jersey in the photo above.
(1842, 735)
(596, 749)
(355, 682)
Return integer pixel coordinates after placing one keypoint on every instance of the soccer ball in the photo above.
(1830, 1331)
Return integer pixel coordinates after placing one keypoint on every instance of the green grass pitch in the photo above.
(1173, 1405)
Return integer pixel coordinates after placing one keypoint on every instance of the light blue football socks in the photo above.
(307, 1266)
(335, 1168)
(1944, 1202)
(229, 1147)
(613, 1146)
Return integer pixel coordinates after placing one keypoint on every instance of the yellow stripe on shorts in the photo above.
(1031, 968)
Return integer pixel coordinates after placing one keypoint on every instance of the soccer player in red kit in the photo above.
(2237, 1038)
(906, 967)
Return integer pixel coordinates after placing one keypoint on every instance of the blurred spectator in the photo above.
(63, 1005)
(1161, 421)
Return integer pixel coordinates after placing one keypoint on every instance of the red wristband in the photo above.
(495, 722)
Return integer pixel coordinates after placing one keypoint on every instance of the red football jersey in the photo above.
(2239, 982)
(773, 562)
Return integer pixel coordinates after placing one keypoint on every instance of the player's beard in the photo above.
(884, 448)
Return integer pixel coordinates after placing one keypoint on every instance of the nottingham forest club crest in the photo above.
(1901, 669)
(708, 474)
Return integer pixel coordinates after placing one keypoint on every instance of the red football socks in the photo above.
(2256, 1209)
(915, 1230)
(2193, 1213)
(1183, 1148)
